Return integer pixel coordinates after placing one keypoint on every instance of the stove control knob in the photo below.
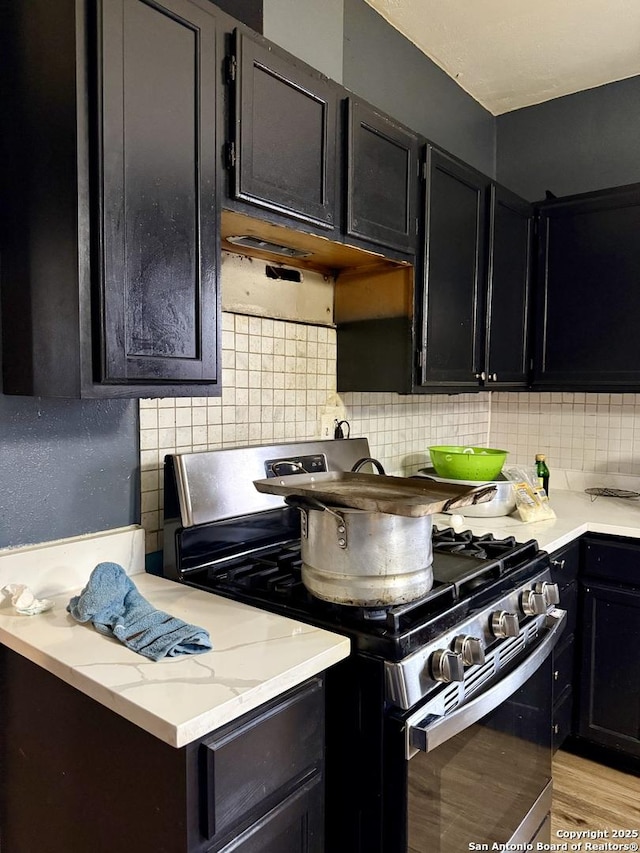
(504, 624)
(533, 602)
(550, 592)
(471, 649)
(447, 666)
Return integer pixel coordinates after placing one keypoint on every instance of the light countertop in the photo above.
(256, 655)
(576, 513)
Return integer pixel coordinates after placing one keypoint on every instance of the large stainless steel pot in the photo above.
(362, 558)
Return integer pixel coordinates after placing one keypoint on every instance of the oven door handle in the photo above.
(426, 732)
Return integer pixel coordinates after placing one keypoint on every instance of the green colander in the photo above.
(467, 463)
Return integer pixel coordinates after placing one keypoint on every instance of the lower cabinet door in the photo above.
(609, 706)
(293, 826)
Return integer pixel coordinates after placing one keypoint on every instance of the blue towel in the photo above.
(111, 601)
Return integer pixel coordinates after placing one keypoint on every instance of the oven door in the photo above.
(481, 775)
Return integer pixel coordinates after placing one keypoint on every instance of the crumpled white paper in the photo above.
(25, 601)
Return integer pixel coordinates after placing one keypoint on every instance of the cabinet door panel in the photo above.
(285, 133)
(453, 305)
(381, 179)
(160, 249)
(511, 235)
(610, 698)
(589, 268)
(294, 826)
(244, 768)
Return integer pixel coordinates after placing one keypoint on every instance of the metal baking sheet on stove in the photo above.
(376, 492)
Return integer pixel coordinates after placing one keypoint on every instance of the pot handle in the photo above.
(306, 503)
(358, 465)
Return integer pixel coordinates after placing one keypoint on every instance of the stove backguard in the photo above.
(214, 485)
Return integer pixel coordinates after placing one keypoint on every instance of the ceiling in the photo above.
(509, 54)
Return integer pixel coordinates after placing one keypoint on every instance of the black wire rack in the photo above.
(602, 492)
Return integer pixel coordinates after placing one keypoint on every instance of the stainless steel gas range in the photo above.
(439, 723)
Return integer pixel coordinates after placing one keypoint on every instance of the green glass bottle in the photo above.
(542, 472)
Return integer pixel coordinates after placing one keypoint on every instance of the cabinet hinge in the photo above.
(424, 170)
(232, 65)
(420, 358)
(230, 154)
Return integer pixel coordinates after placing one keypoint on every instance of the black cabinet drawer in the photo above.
(249, 767)
(617, 561)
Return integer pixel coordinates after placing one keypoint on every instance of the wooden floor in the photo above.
(587, 795)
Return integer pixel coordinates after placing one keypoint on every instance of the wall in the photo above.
(69, 467)
(250, 12)
(351, 43)
(278, 378)
(578, 143)
(386, 69)
(66, 467)
(310, 30)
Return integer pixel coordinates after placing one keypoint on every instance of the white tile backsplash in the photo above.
(278, 379)
(592, 433)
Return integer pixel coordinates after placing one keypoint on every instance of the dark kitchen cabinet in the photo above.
(462, 323)
(282, 154)
(474, 305)
(507, 322)
(382, 179)
(256, 784)
(110, 262)
(452, 299)
(303, 154)
(587, 291)
(609, 715)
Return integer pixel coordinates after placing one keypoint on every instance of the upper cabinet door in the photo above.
(508, 289)
(452, 305)
(159, 195)
(285, 135)
(382, 179)
(587, 292)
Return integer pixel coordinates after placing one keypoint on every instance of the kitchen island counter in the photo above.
(256, 655)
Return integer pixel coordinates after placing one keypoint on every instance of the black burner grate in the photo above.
(464, 568)
(485, 546)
